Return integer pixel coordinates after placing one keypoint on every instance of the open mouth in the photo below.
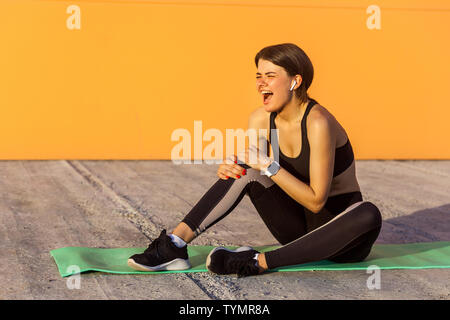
(267, 95)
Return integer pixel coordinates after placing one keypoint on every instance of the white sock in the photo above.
(177, 240)
(256, 258)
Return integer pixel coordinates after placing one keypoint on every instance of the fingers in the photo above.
(230, 169)
(222, 176)
(232, 159)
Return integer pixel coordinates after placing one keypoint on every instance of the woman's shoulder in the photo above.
(319, 116)
(321, 120)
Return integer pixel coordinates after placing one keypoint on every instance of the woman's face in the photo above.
(273, 78)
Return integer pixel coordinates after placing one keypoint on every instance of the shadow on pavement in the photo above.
(426, 225)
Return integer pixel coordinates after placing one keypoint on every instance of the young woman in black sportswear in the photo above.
(310, 199)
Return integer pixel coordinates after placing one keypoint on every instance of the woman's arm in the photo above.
(259, 122)
(322, 145)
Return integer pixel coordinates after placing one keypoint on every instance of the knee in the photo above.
(253, 181)
(372, 215)
(255, 190)
(257, 177)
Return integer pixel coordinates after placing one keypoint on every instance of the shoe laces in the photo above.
(154, 247)
(243, 267)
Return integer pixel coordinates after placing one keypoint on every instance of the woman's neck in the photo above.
(292, 112)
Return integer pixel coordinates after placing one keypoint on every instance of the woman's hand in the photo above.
(256, 159)
(230, 169)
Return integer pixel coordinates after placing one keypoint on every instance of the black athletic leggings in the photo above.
(343, 231)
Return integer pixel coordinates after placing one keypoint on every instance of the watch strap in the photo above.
(272, 169)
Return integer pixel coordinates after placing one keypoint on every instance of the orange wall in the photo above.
(137, 70)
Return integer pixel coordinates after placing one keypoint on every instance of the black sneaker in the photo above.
(240, 261)
(161, 254)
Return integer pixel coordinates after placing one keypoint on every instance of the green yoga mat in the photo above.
(71, 260)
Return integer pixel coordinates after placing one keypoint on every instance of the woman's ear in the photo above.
(298, 79)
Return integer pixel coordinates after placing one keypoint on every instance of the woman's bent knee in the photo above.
(372, 215)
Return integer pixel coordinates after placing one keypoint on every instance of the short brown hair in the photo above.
(294, 60)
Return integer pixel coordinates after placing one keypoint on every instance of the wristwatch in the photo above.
(272, 169)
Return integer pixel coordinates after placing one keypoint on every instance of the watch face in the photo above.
(273, 168)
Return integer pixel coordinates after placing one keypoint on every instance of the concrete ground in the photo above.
(51, 204)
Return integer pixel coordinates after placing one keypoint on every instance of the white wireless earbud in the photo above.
(293, 85)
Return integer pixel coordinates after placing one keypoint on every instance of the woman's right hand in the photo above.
(230, 169)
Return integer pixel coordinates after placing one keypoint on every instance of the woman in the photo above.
(310, 199)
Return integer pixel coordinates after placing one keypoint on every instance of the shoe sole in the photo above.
(176, 264)
(208, 258)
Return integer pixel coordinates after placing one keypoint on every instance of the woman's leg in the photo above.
(168, 252)
(218, 202)
(348, 237)
(283, 216)
(293, 226)
(183, 231)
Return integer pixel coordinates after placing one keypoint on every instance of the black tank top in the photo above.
(299, 166)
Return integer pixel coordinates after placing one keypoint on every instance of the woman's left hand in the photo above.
(255, 158)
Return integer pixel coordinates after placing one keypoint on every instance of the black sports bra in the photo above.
(299, 166)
